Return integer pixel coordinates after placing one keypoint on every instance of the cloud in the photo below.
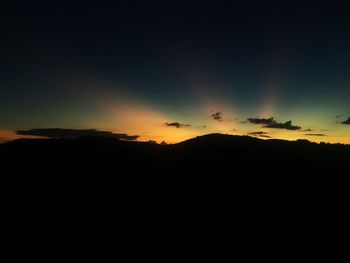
(308, 130)
(347, 122)
(259, 134)
(58, 133)
(176, 125)
(261, 120)
(217, 116)
(271, 123)
(265, 136)
(315, 134)
(287, 126)
(237, 120)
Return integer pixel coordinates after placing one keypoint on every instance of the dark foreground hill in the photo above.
(210, 156)
(212, 187)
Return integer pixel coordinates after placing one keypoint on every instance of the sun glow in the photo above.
(9, 135)
(119, 112)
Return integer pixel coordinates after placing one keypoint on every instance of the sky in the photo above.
(173, 70)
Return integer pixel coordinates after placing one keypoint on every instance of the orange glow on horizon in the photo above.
(173, 135)
(8, 135)
(119, 112)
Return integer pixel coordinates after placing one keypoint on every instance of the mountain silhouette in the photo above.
(209, 187)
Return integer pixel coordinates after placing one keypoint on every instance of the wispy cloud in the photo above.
(217, 116)
(259, 134)
(176, 125)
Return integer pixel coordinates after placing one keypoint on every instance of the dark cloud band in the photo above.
(271, 123)
(260, 120)
(58, 133)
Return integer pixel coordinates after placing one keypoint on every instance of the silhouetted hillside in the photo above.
(212, 186)
(212, 156)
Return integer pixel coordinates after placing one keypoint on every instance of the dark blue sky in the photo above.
(79, 64)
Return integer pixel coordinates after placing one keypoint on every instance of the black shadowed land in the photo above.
(206, 188)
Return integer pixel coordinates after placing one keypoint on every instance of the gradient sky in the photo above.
(132, 66)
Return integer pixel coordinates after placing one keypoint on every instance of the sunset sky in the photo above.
(172, 70)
